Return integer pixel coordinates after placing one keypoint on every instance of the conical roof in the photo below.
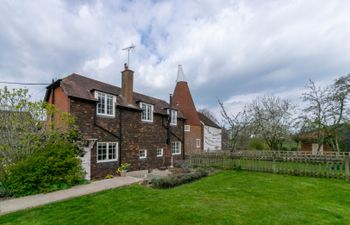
(180, 74)
(182, 99)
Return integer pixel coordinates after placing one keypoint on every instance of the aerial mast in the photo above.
(128, 49)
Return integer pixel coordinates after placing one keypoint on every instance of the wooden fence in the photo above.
(335, 165)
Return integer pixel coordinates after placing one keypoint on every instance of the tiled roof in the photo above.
(183, 100)
(82, 87)
(207, 121)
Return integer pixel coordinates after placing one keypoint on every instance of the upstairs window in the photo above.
(173, 117)
(187, 128)
(176, 148)
(147, 112)
(105, 104)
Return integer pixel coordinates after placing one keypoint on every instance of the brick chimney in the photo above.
(127, 85)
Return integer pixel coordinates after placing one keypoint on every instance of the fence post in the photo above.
(273, 163)
(347, 168)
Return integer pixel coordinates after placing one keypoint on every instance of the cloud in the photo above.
(229, 49)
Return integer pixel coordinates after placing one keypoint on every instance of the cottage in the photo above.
(121, 125)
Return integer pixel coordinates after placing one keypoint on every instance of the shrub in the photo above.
(175, 180)
(258, 144)
(109, 176)
(4, 191)
(54, 166)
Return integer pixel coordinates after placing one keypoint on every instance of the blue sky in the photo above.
(231, 50)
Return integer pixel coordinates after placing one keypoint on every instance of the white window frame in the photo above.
(145, 156)
(198, 143)
(176, 148)
(147, 111)
(187, 128)
(108, 144)
(162, 152)
(173, 117)
(105, 96)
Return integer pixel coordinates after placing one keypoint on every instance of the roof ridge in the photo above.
(115, 86)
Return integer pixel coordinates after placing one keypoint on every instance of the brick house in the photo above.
(119, 124)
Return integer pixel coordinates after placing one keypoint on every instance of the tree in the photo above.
(237, 125)
(272, 119)
(22, 129)
(209, 114)
(326, 112)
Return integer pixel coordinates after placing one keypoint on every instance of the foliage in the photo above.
(109, 176)
(23, 129)
(258, 144)
(54, 166)
(122, 168)
(29, 133)
(224, 198)
(178, 179)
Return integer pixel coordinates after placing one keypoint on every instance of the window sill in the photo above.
(106, 161)
(106, 116)
(176, 153)
(147, 121)
(143, 158)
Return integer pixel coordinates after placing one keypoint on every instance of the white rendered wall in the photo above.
(212, 138)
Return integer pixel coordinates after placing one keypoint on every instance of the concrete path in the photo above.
(13, 205)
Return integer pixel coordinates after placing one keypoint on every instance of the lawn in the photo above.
(228, 197)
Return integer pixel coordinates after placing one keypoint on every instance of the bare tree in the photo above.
(209, 114)
(338, 114)
(272, 119)
(327, 112)
(237, 125)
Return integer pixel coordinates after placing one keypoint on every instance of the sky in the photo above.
(229, 50)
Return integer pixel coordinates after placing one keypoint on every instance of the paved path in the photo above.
(13, 205)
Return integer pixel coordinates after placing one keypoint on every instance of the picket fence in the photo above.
(298, 163)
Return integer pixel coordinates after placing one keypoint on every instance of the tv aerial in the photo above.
(129, 49)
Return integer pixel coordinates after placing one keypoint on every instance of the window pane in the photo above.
(101, 103)
(102, 151)
(112, 151)
(110, 105)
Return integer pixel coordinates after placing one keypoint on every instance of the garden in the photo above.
(228, 197)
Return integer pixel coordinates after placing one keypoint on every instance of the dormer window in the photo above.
(105, 104)
(173, 117)
(147, 112)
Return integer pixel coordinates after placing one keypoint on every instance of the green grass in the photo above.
(225, 198)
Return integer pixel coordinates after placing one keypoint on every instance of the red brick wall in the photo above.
(190, 140)
(61, 102)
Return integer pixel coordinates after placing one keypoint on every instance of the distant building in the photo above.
(211, 134)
